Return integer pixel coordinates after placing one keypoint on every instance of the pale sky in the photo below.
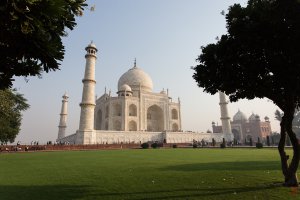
(164, 36)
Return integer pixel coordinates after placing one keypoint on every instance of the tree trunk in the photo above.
(289, 170)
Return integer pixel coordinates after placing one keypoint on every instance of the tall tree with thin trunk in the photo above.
(259, 58)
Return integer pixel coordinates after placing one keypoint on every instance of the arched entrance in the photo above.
(155, 119)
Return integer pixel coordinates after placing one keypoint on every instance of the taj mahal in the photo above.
(135, 114)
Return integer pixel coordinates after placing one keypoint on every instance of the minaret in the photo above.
(226, 126)
(63, 117)
(86, 124)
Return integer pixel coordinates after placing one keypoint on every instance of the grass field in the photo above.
(144, 174)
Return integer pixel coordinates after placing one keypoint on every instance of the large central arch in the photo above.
(155, 119)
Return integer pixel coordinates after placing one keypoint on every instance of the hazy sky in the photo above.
(164, 36)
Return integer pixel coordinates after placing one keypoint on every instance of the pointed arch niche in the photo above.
(174, 114)
(117, 110)
(99, 120)
(155, 119)
(132, 126)
(116, 125)
(175, 127)
(132, 110)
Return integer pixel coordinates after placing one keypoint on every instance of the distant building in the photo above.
(246, 128)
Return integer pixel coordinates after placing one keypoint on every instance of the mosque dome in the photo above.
(267, 118)
(257, 117)
(252, 117)
(125, 87)
(136, 78)
(239, 116)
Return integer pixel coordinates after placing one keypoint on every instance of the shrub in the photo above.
(154, 145)
(195, 145)
(174, 145)
(222, 145)
(145, 145)
(259, 145)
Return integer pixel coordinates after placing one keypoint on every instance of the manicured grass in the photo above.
(144, 174)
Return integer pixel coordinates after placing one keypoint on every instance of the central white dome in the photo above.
(239, 116)
(136, 78)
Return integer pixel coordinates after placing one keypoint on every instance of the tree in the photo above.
(11, 106)
(296, 121)
(30, 35)
(259, 58)
(268, 141)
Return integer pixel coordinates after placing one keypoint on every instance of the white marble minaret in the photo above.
(63, 117)
(226, 126)
(86, 134)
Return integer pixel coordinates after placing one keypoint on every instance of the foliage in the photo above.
(259, 145)
(268, 141)
(174, 145)
(30, 35)
(145, 145)
(250, 142)
(213, 142)
(154, 145)
(11, 106)
(195, 145)
(223, 144)
(262, 48)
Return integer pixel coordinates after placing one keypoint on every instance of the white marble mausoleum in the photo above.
(136, 114)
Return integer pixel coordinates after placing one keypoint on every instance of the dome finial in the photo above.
(134, 63)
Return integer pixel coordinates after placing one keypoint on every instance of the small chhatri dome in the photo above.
(125, 87)
(92, 45)
(252, 117)
(136, 78)
(239, 116)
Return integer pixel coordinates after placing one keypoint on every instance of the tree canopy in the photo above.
(259, 57)
(11, 106)
(30, 35)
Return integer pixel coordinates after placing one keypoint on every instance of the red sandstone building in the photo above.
(246, 128)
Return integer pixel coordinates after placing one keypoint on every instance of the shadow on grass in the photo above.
(68, 192)
(198, 193)
(241, 166)
(45, 192)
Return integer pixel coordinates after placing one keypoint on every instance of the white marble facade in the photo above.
(135, 114)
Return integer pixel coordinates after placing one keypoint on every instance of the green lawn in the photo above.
(144, 174)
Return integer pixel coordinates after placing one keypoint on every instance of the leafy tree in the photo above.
(259, 58)
(268, 141)
(11, 106)
(30, 35)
